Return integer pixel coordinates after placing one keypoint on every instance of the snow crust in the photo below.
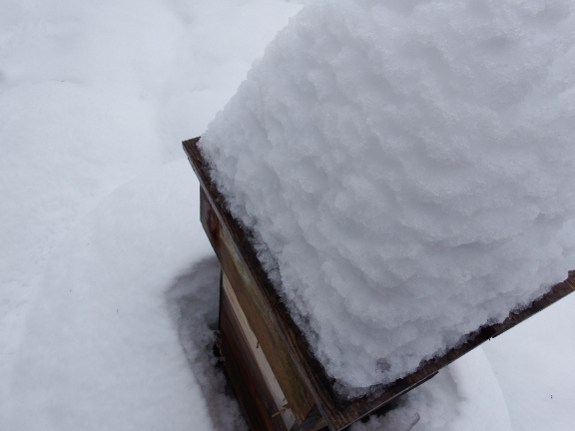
(407, 170)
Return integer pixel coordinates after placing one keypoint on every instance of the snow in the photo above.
(456, 399)
(108, 286)
(101, 329)
(407, 171)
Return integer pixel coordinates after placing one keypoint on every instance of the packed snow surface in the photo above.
(407, 168)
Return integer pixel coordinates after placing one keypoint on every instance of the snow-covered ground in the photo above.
(108, 285)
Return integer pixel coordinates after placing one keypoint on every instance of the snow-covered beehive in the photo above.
(389, 183)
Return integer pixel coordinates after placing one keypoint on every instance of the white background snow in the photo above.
(108, 285)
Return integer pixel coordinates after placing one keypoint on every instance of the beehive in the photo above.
(279, 383)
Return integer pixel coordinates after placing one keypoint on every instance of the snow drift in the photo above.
(407, 170)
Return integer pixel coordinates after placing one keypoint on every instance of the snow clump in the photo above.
(407, 169)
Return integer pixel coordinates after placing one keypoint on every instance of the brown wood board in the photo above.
(245, 374)
(259, 315)
(339, 412)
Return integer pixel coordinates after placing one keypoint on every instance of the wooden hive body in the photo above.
(279, 383)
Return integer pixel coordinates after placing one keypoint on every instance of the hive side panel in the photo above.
(279, 408)
(245, 374)
(257, 313)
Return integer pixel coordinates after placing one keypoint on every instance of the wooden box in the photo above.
(279, 383)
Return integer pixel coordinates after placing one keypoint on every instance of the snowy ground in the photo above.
(107, 281)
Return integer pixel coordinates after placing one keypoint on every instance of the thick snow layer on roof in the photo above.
(407, 167)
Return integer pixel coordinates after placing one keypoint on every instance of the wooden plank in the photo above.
(244, 374)
(339, 413)
(281, 407)
(258, 314)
